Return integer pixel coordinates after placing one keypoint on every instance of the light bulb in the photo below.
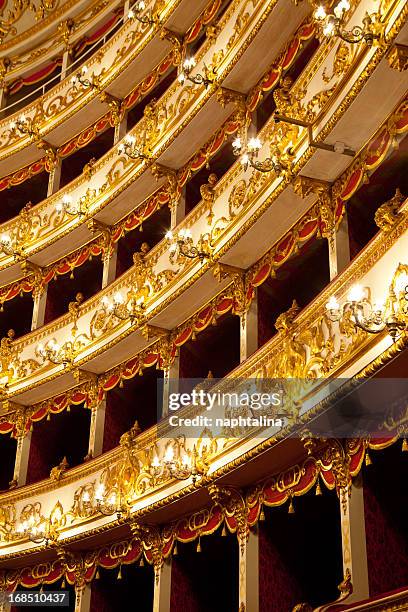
(356, 293)
(237, 144)
(186, 460)
(181, 78)
(254, 144)
(328, 29)
(141, 5)
(12, 125)
(169, 454)
(155, 462)
(245, 159)
(118, 298)
(5, 239)
(401, 283)
(99, 492)
(66, 199)
(105, 302)
(188, 234)
(130, 14)
(320, 13)
(332, 304)
(169, 235)
(84, 69)
(86, 497)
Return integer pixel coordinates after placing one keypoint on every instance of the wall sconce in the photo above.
(45, 532)
(331, 23)
(136, 13)
(74, 210)
(183, 245)
(182, 468)
(108, 505)
(391, 316)
(56, 354)
(80, 78)
(9, 247)
(25, 127)
(185, 74)
(129, 148)
(249, 156)
(133, 309)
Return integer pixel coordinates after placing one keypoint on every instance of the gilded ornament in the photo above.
(388, 215)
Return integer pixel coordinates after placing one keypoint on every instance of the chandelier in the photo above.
(183, 245)
(249, 156)
(57, 354)
(136, 13)
(9, 247)
(42, 533)
(24, 126)
(133, 309)
(182, 468)
(331, 23)
(198, 79)
(129, 148)
(391, 316)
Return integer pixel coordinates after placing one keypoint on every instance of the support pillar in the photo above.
(66, 61)
(178, 210)
(54, 178)
(162, 588)
(40, 302)
(339, 248)
(82, 598)
(354, 541)
(21, 462)
(3, 98)
(120, 130)
(97, 429)
(109, 267)
(249, 330)
(249, 573)
(170, 383)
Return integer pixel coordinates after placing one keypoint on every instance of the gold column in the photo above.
(109, 267)
(82, 597)
(354, 540)
(40, 302)
(339, 248)
(23, 446)
(249, 573)
(170, 383)
(97, 429)
(120, 129)
(178, 209)
(162, 587)
(54, 178)
(21, 462)
(249, 330)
